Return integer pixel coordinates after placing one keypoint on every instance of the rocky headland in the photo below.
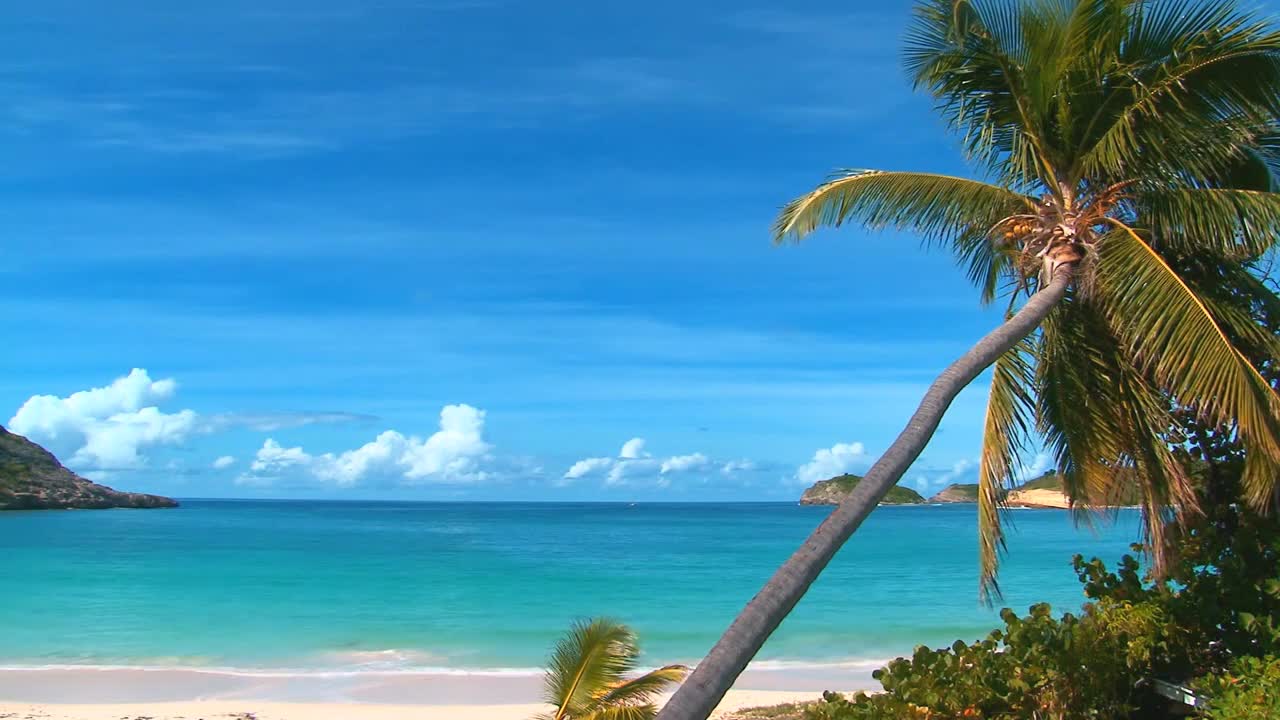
(31, 478)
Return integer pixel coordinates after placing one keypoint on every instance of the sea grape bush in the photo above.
(1038, 667)
(1249, 691)
(1212, 621)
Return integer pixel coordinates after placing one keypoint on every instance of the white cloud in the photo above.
(275, 421)
(633, 463)
(736, 466)
(106, 427)
(829, 462)
(273, 457)
(224, 462)
(586, 467)
(683, 463)
(632, 448)
(1038, 466)
(453, 454)
(625, 468)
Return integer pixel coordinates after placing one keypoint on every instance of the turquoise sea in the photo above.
(305, 586)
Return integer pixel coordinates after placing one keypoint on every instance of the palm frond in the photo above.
(1076, 402)
(1228, 223)
(623, 712)
(590, 657)
(1163, 483)
(644, 689)
(1172, 334)
(971, 55)
(943, 209)
(1006, 430)
(1185, 68)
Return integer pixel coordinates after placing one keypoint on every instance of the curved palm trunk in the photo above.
(713, 677)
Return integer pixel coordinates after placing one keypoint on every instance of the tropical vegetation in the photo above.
(1211, 623)
(587, 675)
(1126, 156)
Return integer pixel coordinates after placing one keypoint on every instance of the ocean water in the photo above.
(314, 586)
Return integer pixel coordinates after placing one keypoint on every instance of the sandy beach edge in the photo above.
(268, 710)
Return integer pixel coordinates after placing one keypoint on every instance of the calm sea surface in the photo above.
(315, 585)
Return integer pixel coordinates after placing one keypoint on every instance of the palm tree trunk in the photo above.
(713, 677)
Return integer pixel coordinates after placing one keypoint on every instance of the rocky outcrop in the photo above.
(831, 492)
(31, 478)
(957, 493)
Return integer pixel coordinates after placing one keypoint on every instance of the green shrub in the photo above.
(1216, 610)
(1037, 667)
(1250, 691)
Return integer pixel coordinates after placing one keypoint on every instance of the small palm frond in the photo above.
(644, 689)
(1006, 430)
(1171, 333)
(590, 657)
(1227, 223)
(941, 208)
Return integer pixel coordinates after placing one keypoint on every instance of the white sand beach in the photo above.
(266, 710)
(72, 693)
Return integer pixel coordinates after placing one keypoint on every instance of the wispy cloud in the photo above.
(273, 421)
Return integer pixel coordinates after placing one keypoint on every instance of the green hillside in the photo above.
(832, 491)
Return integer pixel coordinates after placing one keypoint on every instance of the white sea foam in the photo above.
(395, 662)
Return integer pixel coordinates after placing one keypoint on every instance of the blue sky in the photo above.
(449, 249)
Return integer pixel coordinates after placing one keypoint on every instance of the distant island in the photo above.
(31, 478)
(957, 493)
(832, 491)
(1043, 492)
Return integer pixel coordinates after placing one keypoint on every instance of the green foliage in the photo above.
(586, 675)
(1037, 667)
(967, 492)
(1214, 612)
(1250, 691)
(1047, 481)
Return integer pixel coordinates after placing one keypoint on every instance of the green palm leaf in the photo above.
(1006, 433)
(644, 689)
(1076, 400)
(586, 675)
(939, 207)
(1232, 223)
(1174, 335)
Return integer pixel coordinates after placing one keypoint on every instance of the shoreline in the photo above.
(268, 710)
(84, 687)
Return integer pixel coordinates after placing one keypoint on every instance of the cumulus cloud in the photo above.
(829, 462)
(633, 463)
(224, 462)
(586, 467)
(632, 449)
(106, 427)
(453, 454)
(683, 463)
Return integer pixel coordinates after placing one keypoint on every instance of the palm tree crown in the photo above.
(1137, 146)
(586, 676)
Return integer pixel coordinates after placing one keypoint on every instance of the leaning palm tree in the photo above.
(586, 676)
(1120, 142)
